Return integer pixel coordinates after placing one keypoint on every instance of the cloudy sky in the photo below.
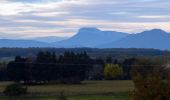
(34, 18)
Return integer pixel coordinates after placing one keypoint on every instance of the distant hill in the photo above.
(156, 38)
(90, 37)
(93, 52)
(95, 38)
(22, 43)
(49, 39)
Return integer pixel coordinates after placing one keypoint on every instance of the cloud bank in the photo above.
(32, 18)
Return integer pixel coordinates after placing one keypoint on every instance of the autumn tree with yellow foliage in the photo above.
(112, 71)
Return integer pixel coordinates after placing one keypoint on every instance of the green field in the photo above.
(93, 97)
(88, 90)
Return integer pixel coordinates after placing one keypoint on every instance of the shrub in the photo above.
(62, 96)
(15, 89)
(149, 82)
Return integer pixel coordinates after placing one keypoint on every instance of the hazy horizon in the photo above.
(67, 37)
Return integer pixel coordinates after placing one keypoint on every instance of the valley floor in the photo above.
(88, 90)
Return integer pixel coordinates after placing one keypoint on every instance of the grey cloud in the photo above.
(33, 1)
(123, 11)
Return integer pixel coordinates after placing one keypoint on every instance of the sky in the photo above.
(38, 18)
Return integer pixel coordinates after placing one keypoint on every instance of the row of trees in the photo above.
(93, 52)
(48, 67)
(45, 68)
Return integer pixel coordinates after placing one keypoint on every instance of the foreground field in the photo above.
(88, 90)
(118, 96)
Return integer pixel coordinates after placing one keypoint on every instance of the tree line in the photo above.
(69, 67)
(45, 68)
(93, 52)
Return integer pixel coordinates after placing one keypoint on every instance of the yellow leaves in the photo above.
(112, 70)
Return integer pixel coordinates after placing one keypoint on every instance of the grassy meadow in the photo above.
(88, 90)
(117, 96)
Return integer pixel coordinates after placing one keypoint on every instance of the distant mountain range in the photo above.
(155, 38)
(95, 38)
(21, 43)
(90, 37)
(49, 39)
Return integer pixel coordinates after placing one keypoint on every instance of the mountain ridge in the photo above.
(89, 37)
(22, 43)
(48, 39)
(155, 38)
(95, 38)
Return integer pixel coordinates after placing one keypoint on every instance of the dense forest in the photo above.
(93, 52)
(43, 65)
(46, 67)
(68, 67)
